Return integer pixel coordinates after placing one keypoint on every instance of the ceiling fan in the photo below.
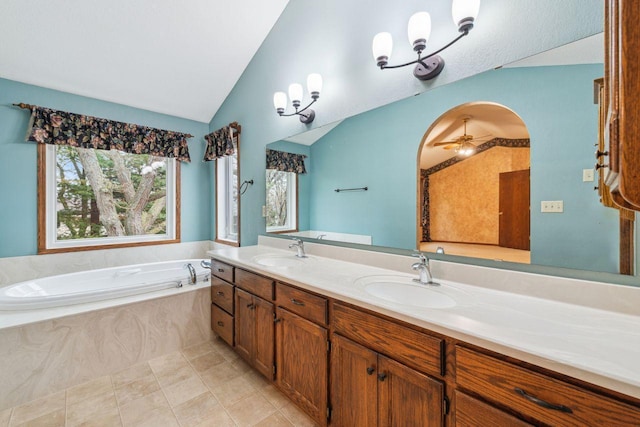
(463, 144)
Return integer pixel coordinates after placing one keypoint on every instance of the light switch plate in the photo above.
(587, 175)
(552, 206)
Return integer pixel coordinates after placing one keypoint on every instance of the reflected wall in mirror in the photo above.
(379, 149)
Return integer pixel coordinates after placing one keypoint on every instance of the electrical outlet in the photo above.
(264, 211)
(552, 206)
(587, 175)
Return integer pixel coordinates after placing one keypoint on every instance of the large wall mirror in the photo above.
(376, 157)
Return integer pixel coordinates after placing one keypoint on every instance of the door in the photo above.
(302, 363)
(407, 397)
(264, 337)
(354, 384)
(515, 221)
(245, 324)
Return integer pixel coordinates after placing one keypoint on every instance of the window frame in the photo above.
(227, 213)
(291, 213)
(47, 213)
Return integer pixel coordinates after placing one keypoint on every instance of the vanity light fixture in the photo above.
(314, 86)
(429, 66)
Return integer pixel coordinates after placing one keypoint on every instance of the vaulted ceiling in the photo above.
(175, 57)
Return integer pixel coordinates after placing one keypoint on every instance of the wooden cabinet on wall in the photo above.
(621, 92)
(302, 346)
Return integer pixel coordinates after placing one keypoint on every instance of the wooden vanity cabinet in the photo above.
(369, 389)
(534, 395)
(302, 350)
(222, 309)
(254, 330)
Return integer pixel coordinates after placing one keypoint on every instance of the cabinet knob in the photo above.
(220, 323)
(371, 370)
(221, 270)
(600, 166)
(250, 306)
(382, 376)
(220, 293)
(601, 153)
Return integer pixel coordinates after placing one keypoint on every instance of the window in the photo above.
(94, 199)
(282, 201)
(227, 198)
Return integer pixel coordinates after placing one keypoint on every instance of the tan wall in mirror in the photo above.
(464, 197)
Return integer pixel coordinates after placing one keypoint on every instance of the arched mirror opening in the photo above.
(473, 193)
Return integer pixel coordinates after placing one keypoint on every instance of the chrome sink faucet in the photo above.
(299, 245)
(422, 267)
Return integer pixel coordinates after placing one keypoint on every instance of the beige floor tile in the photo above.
(227, 352)
(131, 374)
(274, 420)
(167, 362)
(89, 389)
(178, 373)
(250, 410)
(218, 375)
(241, 366)
(233, 390)
(198, 350)
(219, 419)
(52, 419)
(38, 408)
(184, 390)
(274, 396)
(137, 389)
(112, 420)
(197, 410)
(159, 417)
(136, 412)
(297, 417)
(100, 406)
(257, 380)
(207, 361)
(5, 416)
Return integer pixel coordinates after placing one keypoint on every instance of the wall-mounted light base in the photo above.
(307, 116)
(434, 66)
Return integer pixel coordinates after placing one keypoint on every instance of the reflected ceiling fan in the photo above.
(464, 144)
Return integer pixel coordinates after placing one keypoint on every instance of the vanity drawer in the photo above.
(307, 305)
(222, 270)
(471, 412)
(222, 324)
(257, 285)
(222, 294)
(415, 349)
(539, 396)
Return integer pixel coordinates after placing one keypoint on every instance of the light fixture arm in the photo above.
(297, 112)
(421, 59)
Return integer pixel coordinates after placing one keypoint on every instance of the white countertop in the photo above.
(594, 345)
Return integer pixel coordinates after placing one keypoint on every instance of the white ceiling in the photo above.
(175, 57)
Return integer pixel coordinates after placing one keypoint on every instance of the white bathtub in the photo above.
(99, 285)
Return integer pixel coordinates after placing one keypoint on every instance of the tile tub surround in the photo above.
(41, 358)
(203, 385)
(595, 344)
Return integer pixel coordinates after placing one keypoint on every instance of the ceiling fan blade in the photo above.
(446, 143)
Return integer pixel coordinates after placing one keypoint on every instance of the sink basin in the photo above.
(402, 290)
(278, 260)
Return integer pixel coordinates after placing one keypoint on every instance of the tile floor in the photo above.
(204, 385)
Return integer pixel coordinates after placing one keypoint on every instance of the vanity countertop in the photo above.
(594, 345)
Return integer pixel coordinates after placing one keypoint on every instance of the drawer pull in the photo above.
(250, 306)
(370, 370)
(382, 376)
(220, 323)
(220, 293)
(542, 403)
(221, 270)
(297, 302)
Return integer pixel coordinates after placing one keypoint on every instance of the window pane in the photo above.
(107, 193)
(281, 200)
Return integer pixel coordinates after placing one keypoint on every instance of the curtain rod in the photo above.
(29, 107)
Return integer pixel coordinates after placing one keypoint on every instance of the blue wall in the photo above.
(18, 208)
(379, 149)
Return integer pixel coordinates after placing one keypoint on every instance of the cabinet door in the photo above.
(354, 384)
(302, 363)
(264, 341)
(407, 397)
(245, 324)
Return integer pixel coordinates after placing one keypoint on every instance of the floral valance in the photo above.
(220, 143)
(62, 128)
(285, 162)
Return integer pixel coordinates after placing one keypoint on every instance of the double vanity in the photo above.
(353, 340)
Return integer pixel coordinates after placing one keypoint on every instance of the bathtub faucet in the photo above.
(192, 274)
